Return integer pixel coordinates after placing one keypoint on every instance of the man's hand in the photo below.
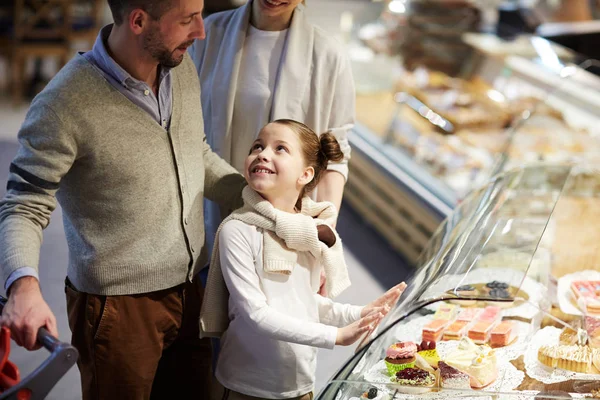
(351, 333)
(26, 312)
(386, 302)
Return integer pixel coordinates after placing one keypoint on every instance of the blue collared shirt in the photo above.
(135, 90)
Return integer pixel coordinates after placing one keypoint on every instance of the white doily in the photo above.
(536, 370)
(564, 293)
(412, 331)
(534, 289)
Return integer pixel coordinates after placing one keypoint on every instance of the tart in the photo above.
(452, 378)
(428, 350)
(399, 356)
(572, 358)
(414, 380)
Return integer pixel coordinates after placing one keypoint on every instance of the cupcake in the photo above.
(465, 291)
(428, 351)
(399, 356)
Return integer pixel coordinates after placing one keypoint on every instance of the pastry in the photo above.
(495, 285)
(374, 394)
(589, 305)
(399, 356)
(592, 327)
(452, 378)
(414, 380)
(572, 358)
(479, 362)
(432, 332)
(446, 312)
(465, 291)
(501, 294)
(503, 334)
(469, 314)
(582, 289)
(480, 331)
(568, 337)
(490, 314)
(428, 350)
(456, 330)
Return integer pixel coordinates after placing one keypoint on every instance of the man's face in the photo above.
(168, 38)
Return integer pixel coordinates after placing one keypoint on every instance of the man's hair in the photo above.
(155, 8)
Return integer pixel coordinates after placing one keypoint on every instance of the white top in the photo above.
(277, 321)
(260, 62)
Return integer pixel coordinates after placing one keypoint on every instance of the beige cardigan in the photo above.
(285, 235)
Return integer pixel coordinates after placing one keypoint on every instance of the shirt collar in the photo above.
(111, 67)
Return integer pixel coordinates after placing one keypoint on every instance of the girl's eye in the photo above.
(257, 147)
(281, 148)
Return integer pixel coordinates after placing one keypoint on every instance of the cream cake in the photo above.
(479, 362)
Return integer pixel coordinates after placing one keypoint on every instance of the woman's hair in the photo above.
(317, 150)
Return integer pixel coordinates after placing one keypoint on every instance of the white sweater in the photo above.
(277, 320)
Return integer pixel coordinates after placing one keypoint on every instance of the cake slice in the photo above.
(456, 330)
(479, 362)
(480, 331)
(503, 334)
(452, 378)
(432, 332)
(446, 312)
(414, 380)
(491, 314)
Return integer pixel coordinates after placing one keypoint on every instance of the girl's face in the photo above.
(277, 8)
(275, 167)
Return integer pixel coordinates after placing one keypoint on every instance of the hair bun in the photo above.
(330, 148)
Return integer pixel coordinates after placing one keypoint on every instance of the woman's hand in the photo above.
(384, 303)
(351, 333)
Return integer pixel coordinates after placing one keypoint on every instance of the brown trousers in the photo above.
(231, 395)
(140, 347)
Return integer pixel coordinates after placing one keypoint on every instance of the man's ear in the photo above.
(307, 176)
(138, 20)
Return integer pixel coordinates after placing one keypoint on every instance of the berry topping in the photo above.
(465, 288)
(412, 374)
(500, 293)
(497, 285)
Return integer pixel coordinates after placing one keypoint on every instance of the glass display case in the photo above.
(505, 303)
(443, 105)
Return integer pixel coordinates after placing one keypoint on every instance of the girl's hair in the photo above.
(317, 150)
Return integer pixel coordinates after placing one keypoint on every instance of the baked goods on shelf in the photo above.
(452, 378)
(573, 358)
(399, 356)
(503, 334)
(428, 350)
(414, 380)
(479, 362)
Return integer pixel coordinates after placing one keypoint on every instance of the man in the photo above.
(117, 137)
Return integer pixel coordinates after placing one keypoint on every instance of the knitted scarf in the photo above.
(284, 235)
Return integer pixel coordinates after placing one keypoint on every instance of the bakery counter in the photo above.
(496, 309)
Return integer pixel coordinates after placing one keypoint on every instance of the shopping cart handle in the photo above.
(39, 383)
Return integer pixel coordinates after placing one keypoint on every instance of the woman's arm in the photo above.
(341, 120)
(237, 265)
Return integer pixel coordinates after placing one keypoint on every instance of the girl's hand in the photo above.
(351, 333)
(385, 303)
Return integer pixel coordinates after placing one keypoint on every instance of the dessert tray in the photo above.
(546, 337)
(566, 298)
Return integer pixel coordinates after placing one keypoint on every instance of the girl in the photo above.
(265, 61)
(264, 275)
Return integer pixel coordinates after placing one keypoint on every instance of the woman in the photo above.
(262, 62)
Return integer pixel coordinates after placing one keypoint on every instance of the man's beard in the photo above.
(154, 45)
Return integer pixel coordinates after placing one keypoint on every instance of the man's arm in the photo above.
(46, 153)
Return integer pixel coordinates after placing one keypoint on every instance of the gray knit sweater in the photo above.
(131, 192)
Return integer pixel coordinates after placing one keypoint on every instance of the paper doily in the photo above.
(536, 370)
(563, 291)
(412, 331)
(527, 310)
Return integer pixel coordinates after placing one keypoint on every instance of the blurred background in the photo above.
(404, 180)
